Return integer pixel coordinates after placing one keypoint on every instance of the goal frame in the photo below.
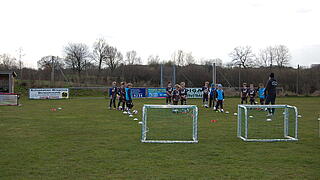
(17, 96)
(144, 128)
(286, 137)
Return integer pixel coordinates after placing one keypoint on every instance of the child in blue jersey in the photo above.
(252, 94)
(205, 94)
(129, 97)
(183, 93)
(113, 95)
(261, 93)
(219, 98)
(212, 97)
(169, 91)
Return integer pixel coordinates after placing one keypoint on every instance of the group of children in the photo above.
(213, 96)
(174, 95)
(250, 92)
(210, 94)
(123, 93)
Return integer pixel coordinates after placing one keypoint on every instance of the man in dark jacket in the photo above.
(271, 93)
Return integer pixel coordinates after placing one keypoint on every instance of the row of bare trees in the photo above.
(301, 81)
(244, 56)
(103, 63)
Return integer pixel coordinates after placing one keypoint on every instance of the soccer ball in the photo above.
(135, 111)
(206, 106)
(175, 111)
(120, 107)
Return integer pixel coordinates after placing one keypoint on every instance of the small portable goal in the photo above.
(255, 124)
(9, 99)
(169, 124)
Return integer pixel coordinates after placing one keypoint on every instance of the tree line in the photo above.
(105, 63)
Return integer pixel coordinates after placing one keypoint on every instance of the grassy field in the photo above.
(84, 140)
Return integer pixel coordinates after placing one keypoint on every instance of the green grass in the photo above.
(84, 140)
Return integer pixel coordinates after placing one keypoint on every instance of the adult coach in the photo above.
(271, 93)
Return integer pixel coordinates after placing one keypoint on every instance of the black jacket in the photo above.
(271, 87)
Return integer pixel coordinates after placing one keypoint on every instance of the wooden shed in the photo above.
(7, 81)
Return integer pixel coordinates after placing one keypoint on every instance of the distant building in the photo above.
(7, 81)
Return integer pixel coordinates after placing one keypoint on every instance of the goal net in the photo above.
(169, 124)
(256, 124)
(9, 99)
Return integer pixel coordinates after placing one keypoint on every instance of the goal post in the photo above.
(169, 124)
(9, 99)
(255, 125)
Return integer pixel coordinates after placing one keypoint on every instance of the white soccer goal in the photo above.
(254, 123)
(169, 124)
(9, 99)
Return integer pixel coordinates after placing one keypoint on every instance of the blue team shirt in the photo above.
(212, 91)
(261, 92)
(128, 94)
(220, 94)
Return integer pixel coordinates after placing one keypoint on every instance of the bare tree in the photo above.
(49, 62)
(7, 62)
(99, 53)
(189, 59)
(178, 58)
(242, 56)
(114, 58)
(271, 52)
(153, 60)
(76, 56)
(282, 55)
(132, 58)
(263, 58)
(20, 54)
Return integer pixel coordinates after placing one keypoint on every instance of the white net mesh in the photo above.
(255, 123)
(169, 124)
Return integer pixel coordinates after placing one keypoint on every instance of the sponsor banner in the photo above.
(48, 93)
(139, 92)
(161, 92)
(194, 92)
(157, 92)
(136, 92)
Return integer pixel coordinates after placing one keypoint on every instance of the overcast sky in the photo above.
(207, 28)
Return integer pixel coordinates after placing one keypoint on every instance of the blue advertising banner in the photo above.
(139, 92)
(136, 92)
(157, 92)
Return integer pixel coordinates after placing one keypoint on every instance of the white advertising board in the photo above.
(48, 93)
(194, 92)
